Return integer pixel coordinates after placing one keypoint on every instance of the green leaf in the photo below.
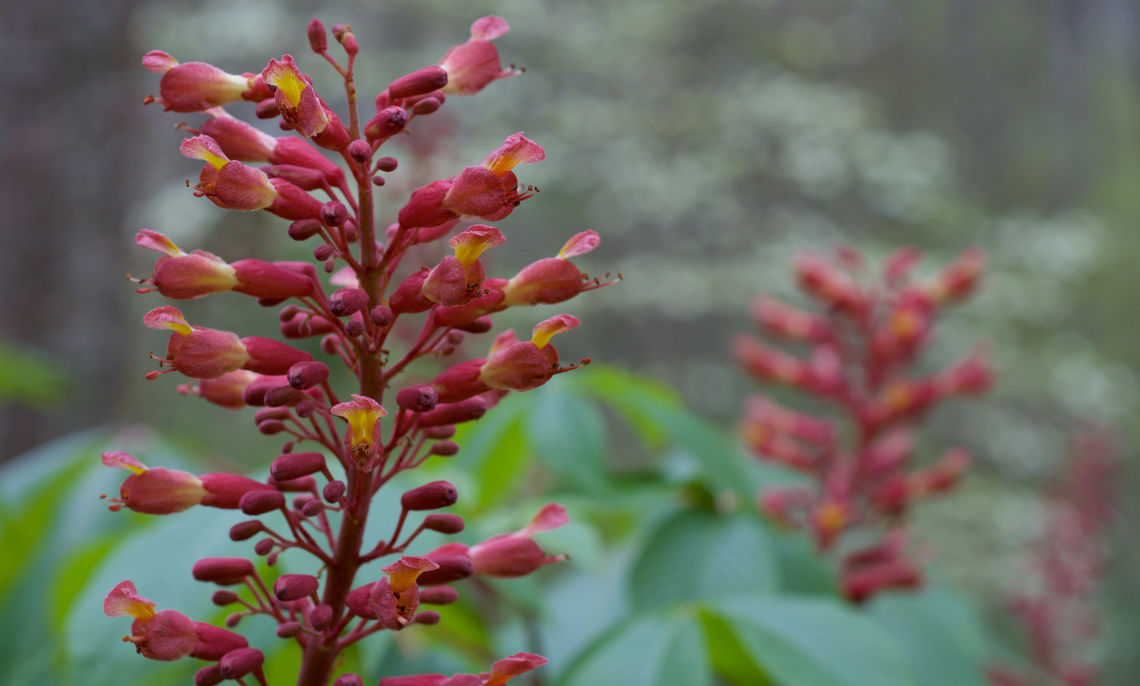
(496, 451)
(569, 434)
(655, 649)
(941, 633)
(640, 400)
(699, 555)
(802, 568)
(815, 642)
(30, 377)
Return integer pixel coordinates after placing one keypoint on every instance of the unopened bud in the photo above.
(426, 106)
(307, 374)
(455, 413)
(334, 213)
(323, 252)
(387, 164)
(245, 530)
(387, 123)
(421, 398)
(439, 433)
(479, 325)
(260, 502)
(444, 523)
(430, 496)
(378, 181)
(348, 680)
(271, 559)
(237, 663)
(270, 427)
(233, 619)
(321, 617)
(223, 597)
(289, 629)
(334, 491)
(451, 568)
(354, 328)
(438, 595)
(318, 41)
(312, 508)
(209, 675)
(295, 586)
(264, 546)
(419, 82)
(283, 396)
(296, 465)
(224, 571)
(360, 151)
(381, 316)
(267, 109)
(445, 448)
(304, 229)
(427, 617)
(304, 484)
(345, 301)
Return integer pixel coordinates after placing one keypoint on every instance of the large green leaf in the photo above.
(495, 449)
(569, 434)
(815, 642)
(695, 555)
(940, 631)
(655, 649)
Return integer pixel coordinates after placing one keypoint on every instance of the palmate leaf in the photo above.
(651, 649)
(811, 641)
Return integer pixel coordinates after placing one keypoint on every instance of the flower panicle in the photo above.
(365, 304)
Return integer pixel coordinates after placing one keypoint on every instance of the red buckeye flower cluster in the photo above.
(378, 314)
(861, 348)
(1056, 602)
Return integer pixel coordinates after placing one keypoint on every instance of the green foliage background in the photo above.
(707, 143)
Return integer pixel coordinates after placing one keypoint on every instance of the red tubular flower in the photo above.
(516, 554)
(193, 86)
(523, 365)
(363, 415)
(165, 491)
(555, 279)
(167, 635)
(491, 191)
(470, 67)
(458, 280)
(228, 390)
(301, 107)
(237, 186)
(197, 352)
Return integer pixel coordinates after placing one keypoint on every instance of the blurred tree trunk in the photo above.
(67, 121)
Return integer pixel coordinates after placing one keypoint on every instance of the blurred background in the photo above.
(708, 143)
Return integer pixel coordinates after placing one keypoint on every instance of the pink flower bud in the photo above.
(438, 595)
(427, 618)
(267, 356)
(958, 279)
(305, 484)
(768, 363)
(223, 597)
(971, 375)
(255, 392)
(444, 523)
(215, 642)
(260, 502)
(430, 496)
(292, 203)
(289, 629)
(333, 491)
(417, 83)
(451, 568)
(226, 490)
(295, 465)
(454, 413)
(224, 571)
(789, 322)
(237, 139)
(156, 490)
(348, 680)
(824, 280)
(321, 617)
(438, 432)
(445, 448)
(519, 663)
(458, 382)
(295, 586)
(304, 229)
(421, 398)
(381, 316)
(425, 207)
(318, 41)
(246, 530)
(516, 554)
(237, 663)
(360, 151)
(227, 390)
(408, 297)
(299, 152)
(346, 301)
(210, 675)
